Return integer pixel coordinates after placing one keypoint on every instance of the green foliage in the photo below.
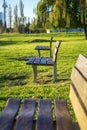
(16, 78)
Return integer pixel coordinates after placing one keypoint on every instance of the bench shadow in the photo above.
(50, 80)
(13, 79)
(38, 40)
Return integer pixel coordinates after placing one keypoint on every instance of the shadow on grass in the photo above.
(5, 43)
(39, 40)
(13, 79)
(50, 80)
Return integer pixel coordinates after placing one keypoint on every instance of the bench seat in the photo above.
(21, 115)
(40, 61)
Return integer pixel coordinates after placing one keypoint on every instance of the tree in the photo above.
(10, 17)
(21, 5)
(1, 27)
(16, 18)
(84, 15)
(57, 16)
(21, 11)
(33, 25)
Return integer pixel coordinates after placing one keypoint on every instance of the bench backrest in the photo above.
(78, 91)
(56, 51)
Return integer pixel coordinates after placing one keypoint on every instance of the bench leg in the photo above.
(50, 53)
(35, 72)
(55, 72)
(39, 52)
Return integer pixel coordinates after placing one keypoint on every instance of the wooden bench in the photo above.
(46, 61)
(78, 91)
(39, 48)
(17, 117)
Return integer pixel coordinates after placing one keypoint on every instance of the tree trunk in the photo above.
(85, 30)
(84, 18)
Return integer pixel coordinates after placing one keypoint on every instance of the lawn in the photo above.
(16, 78)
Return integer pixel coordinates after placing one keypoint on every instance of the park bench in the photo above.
(17, 117)
(48, 48)
(45, 61)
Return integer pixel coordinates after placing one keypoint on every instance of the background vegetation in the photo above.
(50, 14)
(16, 78)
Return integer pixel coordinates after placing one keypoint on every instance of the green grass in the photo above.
(16, 78)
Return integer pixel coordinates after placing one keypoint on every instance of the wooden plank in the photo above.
(44, 121)
(37, 60)
(49, 61)
(81, 85)
(78, 109)
(9, 113)
(31, 60)
(63, 119)
(43, 60)
(82, 65)
(42, 48)
(25, 119)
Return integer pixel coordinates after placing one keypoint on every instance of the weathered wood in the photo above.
(9, 113)
(82, 65)
(31, 60)
(37, 60)
(79, 109)
(25, 119)
(43, 60)
(63, 119)
(42, 48)
(44, 121)
(80, 83)
(49, 61)
(78, 91)
(46, 61)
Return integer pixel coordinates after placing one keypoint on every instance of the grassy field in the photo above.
(16, 78)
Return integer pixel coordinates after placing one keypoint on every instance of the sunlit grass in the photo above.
(16, 78)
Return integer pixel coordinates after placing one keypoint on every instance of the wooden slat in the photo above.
(80, 84)
(78, 109)
(25, 119)
(63, 119)
(8, 115)
(31, 60)
(44, 121)
(49, 61)
(82, 65)
(37, 60)
(42, 48)
(43, 60)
